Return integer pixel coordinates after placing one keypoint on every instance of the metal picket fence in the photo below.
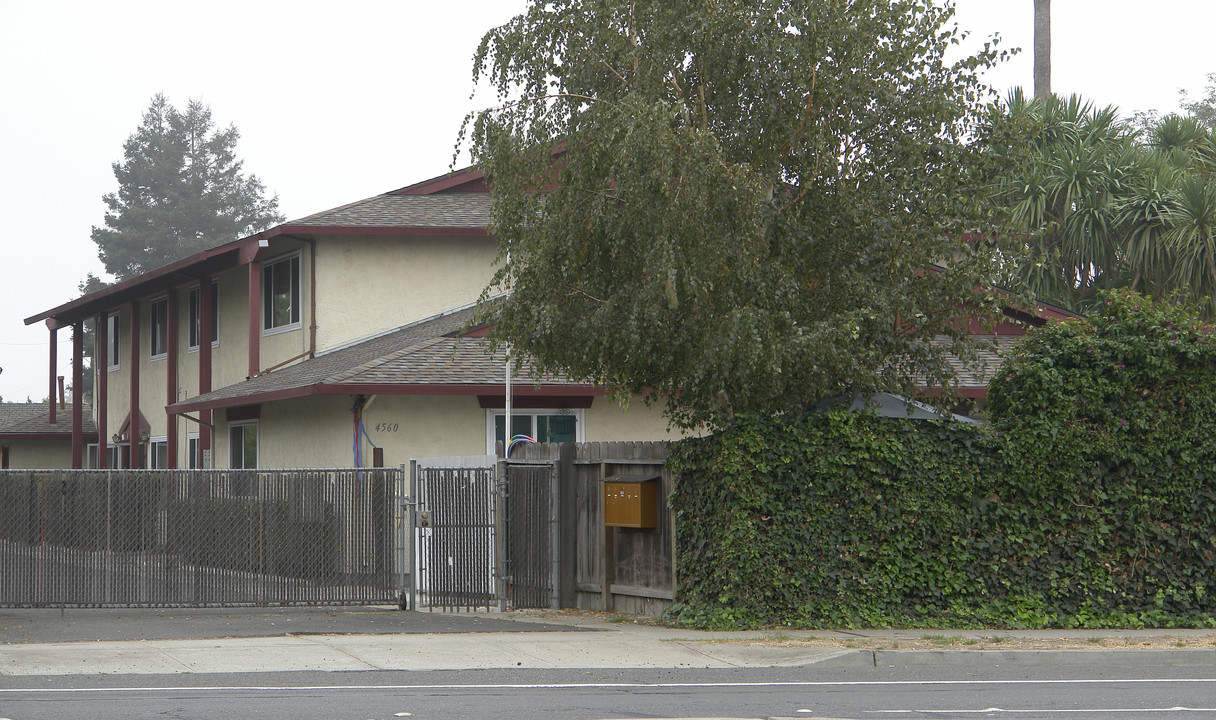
(455, 532)
(199, 537)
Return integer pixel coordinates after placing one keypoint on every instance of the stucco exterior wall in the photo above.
(607, 421)
(319, 431)
(370, 285)
(38, 454)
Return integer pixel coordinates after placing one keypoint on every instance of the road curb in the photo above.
(1181, 657)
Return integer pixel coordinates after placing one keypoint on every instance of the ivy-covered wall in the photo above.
(1089, 501)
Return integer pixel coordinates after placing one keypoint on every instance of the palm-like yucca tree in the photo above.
(1063, 195)
(1142, 219)
(1191, 238)
(1102, 206)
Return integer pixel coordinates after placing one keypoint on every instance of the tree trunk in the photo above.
(1042, 48)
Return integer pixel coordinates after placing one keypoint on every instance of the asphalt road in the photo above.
(1049, 693)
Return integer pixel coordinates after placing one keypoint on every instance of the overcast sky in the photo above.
(335, 103)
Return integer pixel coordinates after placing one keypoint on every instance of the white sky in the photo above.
(337, 102)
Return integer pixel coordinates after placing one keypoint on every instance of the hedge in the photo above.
(1090, 500)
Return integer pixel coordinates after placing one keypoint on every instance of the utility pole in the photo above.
(1042, 49)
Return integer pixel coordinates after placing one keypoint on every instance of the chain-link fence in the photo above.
(199, 537)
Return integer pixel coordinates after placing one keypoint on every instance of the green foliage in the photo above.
(744, 198)
(1105, 204)
(181, 189)
(1090, 501)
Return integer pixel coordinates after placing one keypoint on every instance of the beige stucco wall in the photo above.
(319, 431)
(31, 454)
(609, 421)
(373, 284)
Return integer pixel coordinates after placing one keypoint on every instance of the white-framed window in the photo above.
(281, 294)
(158, 453)
(243, 445)
(540, 425)
(112, 456)
(194, 330)
(112, 341)
(158, 322)
(194, 452)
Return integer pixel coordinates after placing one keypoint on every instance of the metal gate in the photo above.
(482, 540)
(454, 532)
(199, 537)
(531, 535)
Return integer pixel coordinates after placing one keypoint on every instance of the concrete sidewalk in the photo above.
(48, 642)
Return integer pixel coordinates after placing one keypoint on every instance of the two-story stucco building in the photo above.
(314, 343)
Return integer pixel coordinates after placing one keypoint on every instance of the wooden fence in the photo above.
(636, 574)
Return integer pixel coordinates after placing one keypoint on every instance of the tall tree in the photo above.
(1042, 48)
(741, 201)
(181, 189)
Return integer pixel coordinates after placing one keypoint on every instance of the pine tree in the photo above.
(181, 189)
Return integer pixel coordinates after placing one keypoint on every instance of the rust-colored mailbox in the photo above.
(631, 502)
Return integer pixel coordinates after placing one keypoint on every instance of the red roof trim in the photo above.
(132, 288)
(469, 230)
(522, 390)
(65, 435)
(441, 183)
(242, 400)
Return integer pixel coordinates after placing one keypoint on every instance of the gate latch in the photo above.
(424, 519)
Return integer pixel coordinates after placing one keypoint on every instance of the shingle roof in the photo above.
(34, 418)
(426, 353)
(448, 210)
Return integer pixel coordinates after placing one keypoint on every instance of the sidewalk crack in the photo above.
(356, 658)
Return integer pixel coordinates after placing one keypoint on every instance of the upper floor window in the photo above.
(112, 343)
(281, 294)
(195, 329)
(158, 345)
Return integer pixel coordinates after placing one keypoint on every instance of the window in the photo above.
(112, 326)
(159, 456)
(540, 425)
(281, 294)
(195, 329)
(158, 344)
(194, 458)
(243, 446)
(91, 457)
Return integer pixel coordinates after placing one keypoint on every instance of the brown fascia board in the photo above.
(378, 389)
(149, 283)
(441, 183)
(468, 231)
(65, 435)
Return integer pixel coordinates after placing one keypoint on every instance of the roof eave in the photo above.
(443, 389)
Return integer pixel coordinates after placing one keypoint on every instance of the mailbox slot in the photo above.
(631, 502)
